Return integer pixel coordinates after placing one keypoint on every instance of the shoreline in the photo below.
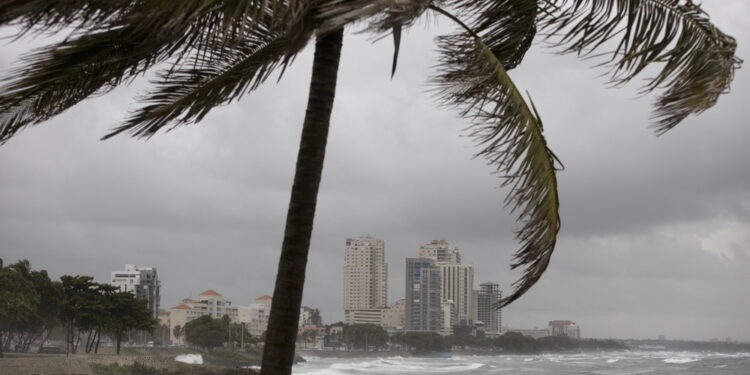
(398, 353)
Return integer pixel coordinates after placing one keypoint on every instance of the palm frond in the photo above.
(43, 15)
(507, 27)
(697, 60)
(509, 131)
(57, 77)
(208, 79)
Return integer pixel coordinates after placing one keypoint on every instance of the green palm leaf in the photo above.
(507, 27)
(697, 60)
(44, 15)
(58, 77)
(510, 133)
(209, 79)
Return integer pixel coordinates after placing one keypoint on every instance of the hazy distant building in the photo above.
(309, 316)
(448, 310)
(255, 316)
(457, 280)
(458, 286)
(488, 296)
(564, 327)
(423, 307)
(536, 333)
(210, 303)
(393, 316)
(365, 279)
(143, 282)
(440, 251)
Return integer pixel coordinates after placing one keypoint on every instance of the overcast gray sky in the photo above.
(656, 231)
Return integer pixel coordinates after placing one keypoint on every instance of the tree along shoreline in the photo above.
(35, 306)
(431, 343)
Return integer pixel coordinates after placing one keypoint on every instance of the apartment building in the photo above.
(365, 291)
(143, 282)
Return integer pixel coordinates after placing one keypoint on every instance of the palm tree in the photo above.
(217, 50)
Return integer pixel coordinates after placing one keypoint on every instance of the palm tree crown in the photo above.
(214, 51)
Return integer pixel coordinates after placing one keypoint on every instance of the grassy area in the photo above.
(138, 369)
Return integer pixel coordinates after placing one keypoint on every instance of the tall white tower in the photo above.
(365, 279)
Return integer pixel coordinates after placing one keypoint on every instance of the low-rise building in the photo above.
(564, 327)
(209, 303)
(255, 316)
(363, 316)
(393, 316)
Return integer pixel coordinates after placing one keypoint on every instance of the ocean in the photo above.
(610, 363)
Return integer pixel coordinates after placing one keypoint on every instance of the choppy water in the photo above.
(614, 363)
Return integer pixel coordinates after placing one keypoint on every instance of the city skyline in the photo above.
(655, 236)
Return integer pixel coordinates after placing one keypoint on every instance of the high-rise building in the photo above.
(143, 282)
(365, 279)
(488, 311)
(457, 280)
(441, 251)
(423, 309)
(457, 285)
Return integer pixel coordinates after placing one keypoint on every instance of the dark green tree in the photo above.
(18, 306)
(220, 50)
(364, 336)
(206, 332)
(124, 312)
(47, 311)
(84, 308)
(423, 342)
(462, 341)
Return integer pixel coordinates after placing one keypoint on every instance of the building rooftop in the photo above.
(263, 298)
(181, 306)
(560, 322)
(210, 292)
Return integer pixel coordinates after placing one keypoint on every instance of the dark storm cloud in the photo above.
(655, 236)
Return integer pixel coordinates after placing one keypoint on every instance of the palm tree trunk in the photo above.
(278, 352)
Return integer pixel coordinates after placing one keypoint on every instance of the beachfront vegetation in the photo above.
(207, 332)
(33, 305)
(364, 336)
(138, 369)
(508, 343)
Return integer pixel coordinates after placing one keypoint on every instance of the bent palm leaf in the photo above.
(697, 59)
(187, 94)
(510, 133)
(60, 76)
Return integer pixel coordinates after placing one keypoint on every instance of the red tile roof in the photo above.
(263, 298)
(182, 306)
(210, 292)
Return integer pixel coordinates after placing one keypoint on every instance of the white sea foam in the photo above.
(681, 360)
(613, 363)
(193, 359)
